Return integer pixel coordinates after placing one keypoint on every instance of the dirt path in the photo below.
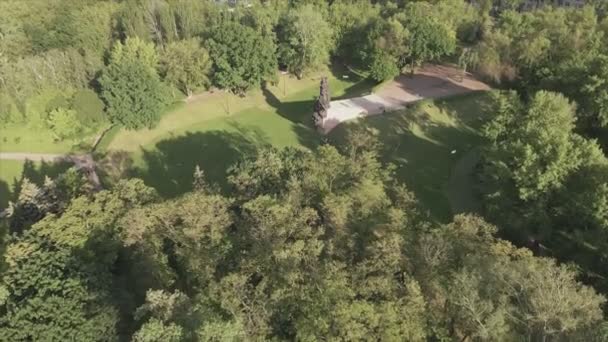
(431, 81)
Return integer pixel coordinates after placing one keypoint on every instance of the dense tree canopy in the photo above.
(186, 65)
(320, 244)
(242, 57)
(305, 246)
(305, 39)
(131, 87)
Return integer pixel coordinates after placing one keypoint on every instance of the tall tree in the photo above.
(305, 40)
(131, 87)
(242, 57)
(186, 65)
(429, 39)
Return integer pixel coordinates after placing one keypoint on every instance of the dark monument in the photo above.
(322, 104)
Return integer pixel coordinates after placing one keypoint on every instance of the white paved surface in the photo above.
(431, 81)
(349, 109)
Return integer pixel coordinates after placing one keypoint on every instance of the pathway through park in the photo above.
(431, 81)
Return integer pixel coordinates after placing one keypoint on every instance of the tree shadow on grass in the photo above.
(300, 114)
(422, 152)
(5, 194)
(36, 172)
(300, 111)
(170, 166)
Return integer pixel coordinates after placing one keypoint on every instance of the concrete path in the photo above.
(431, 81)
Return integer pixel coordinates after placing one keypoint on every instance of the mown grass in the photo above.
(21, 138)
(432, 145)
(290, 98)
(13, 171)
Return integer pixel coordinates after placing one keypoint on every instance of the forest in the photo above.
(303, 237)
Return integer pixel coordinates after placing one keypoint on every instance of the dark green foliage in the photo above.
(242, 57)
(58, 282)
(88, 107)
(134, 95)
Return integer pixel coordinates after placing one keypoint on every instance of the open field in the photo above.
(432, 144)
(290, 98)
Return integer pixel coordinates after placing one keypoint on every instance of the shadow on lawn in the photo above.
(299, 113)
(36, 173)
(421, 150)
(169, 168)
(299, 108)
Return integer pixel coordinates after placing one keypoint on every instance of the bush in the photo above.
(64, 123)
(383, 67)
(88, 107)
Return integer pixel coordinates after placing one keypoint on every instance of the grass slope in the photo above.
(432, 145)
(215, 130)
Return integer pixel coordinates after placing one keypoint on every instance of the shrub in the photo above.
(88, 107)
(64, 123)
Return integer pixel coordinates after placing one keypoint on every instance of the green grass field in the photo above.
(215, 130)
(433, 146)
(12, 171)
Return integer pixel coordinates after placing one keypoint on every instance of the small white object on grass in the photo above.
(453, 152)
(345, 76)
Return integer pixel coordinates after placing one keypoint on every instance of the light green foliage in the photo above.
(186, 65)
(242, 57)
(157, 331)
(64, 123)
(547, 47)
(304, 40)
(536, 147)
(28, 76)
(131, 87)
(95, 28)
(429, 38)
(383, 67)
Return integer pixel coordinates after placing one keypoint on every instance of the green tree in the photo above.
(242, 57)
(428, 39)
(536, 148)
(305, 40)
(186, 65)
(89, 107)
(59, 271)
(131, 87)
(64, 123)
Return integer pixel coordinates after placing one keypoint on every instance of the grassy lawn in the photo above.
(433, 146)
(215, 130)
(20, 138)
(12, 171)
(291, 98)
